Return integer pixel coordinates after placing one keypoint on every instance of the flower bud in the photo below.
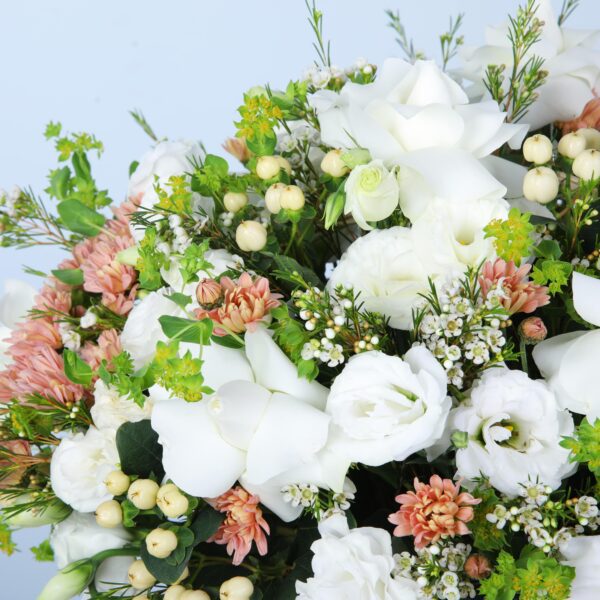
(478, 566)
(235, 201)
(142, 493)
(540, 185)
(533, 330)
(537, 149)
(174, 592)
(194, 595)
(139, 577)
(291, 198)
(69, 582)
(209, 293)
(251, 236)
(237, 147)
(273, 197)
(36, 516)
(129, 256)
(572, 144)
(161, 542)
(236, 588)
(117, 483)
(587, 165)
(592, 138)
(109, 514)
(333, 165)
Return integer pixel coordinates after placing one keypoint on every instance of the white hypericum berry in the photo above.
(173, 503)
(537, 149)
(142, 493)
(139, 577)
(109, 514)
(235, 201)
(540, 185)
(117, 483)
(236, 588)
(267, 167)
(587, 165)
(292, 198)
(592, 137)
(251, 236)
(273, 197)
(194, 595)
(174, 592)
(572, 144)
(161, 542)
(333, 165)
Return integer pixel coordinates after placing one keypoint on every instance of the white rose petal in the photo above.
(583, 553)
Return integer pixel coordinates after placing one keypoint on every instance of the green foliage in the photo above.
(76, 369)
(139, 451)
(585, 445)
(406, 44)
(130, 512)
(486, 535)
(450, 41)
(7, 545)
(259, 116)
(43, 552)
(69, 276)
(187, 330)
(121, 375)
(553, 273)
(499, 585)
(512, 236)
(79, 218)
(139, 118)
(175, 197)
(334, 206)
(193, 261)
(150, 261)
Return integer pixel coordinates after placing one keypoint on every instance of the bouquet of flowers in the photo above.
(358, 365)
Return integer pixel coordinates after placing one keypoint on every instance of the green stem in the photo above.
(523, 351)
(292, 238)
(126, 551)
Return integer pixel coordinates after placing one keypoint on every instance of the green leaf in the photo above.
(218, 164)
(52, 130)
(182, 300)
(43, 552)
(334, 206)
(262, 145)
(76, 369)
(548, 249)
(139, 451)
(227, 341)
(205, 524)
(81, 166)
(186, 330)
(79, 218)
(132, 167)
(130, 512)
(287, 265)
(69, 276)
(59, 183)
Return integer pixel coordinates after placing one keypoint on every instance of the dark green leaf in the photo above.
(130, 512)
(287, 264)
(79, 218)
(69, 276)
(139, 451)
(227, 341)
(186, 330)
(548, 249)
(76, 369)
(182, 300)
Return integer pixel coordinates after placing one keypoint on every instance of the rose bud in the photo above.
(292, 198)
(540, 185)
(236, 588)
(109, 514)
(209, 293)
(273, 197)
(478, 566)
(537, 149)
(235, 201)
(251, 236)
(161, 542)
(533, 330)
(572, 144)
(194, 595)
(237, 147)
(139, 577)
(587, 165)
(142, 493)
(174, 592)
(333, 165)
(117, 483)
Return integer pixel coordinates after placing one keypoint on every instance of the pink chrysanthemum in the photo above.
(589, 117)
(106, 348)
(246, 303)
(432, 511)
(243, 524)
(520, 294)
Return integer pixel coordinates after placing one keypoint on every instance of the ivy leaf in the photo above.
(186, 330)
(76, 369)
(69, 276)
(139, 451)
(78, 218)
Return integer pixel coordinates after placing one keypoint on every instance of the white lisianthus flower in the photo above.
(569, 361)
(372, 193)
(514, 429)
(111, 410)
(265, 423)
(385, 408)
(15, 302)
(583, 553)
(353, 563)
(387, 271)
(571, 57)
(79, 467)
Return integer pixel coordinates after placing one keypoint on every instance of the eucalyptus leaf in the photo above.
(78, 218)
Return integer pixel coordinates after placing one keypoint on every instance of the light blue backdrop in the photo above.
(185, 64)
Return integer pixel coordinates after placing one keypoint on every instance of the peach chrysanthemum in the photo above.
(433, 511)
(243, 524)
(246, 303)
(520, 294)
(106, 348)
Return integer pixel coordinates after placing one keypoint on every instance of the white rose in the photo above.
(79, 536)
(571, 58)
(79, 467)
(15, 302)
(569, 362)
(353, 563)
(583, 553)
(111, 410)
(387, 271)
(385, 408)
(372, 193)
(514, 429)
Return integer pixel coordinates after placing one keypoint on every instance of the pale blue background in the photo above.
(185, 64)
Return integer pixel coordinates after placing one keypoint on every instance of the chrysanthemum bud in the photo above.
(587, 165)
(592, 138)
(333, 165)
(273, 197)
(237, 147)
(478, 566)
(142, 493)
(251, 236)
(139, 577)
(292, 198)
(109, 514)
(572, 144)
(236, 588)
(235, 201)
(533, 330)
(540, 185)
(537, 149)
(194, 595)
(161, 542)
(174, 592)
(117, 483)
(209, 293)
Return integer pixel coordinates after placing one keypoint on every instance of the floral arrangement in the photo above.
(359, 364)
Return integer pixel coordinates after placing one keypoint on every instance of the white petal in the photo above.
(586, 297)
(222, 365)
(549, 354)
(15, 302)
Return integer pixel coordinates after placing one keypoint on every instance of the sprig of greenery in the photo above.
(585, 445)
(407, 45)
(568, 7)
(139, 118)
(450, 41)
(512, 236)
(315, 20)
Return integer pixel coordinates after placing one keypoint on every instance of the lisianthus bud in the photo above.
(194, 595)
(592, 138)
(237, 147)
(109, 514)
(139, 577)
(533, 330)
(587, 165)
(69, 582)
(268, 167)
(174, 592)
(572, 144)
(209, 293)
(333, 165)
(478, 566)
(142, 493)
(251, 236)
(235, 201)
(273, 197)
(540, 185)
(161, 542)
(236, 588)
(537, 149)
(117, 483)
(292, 198)
(52, 513)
